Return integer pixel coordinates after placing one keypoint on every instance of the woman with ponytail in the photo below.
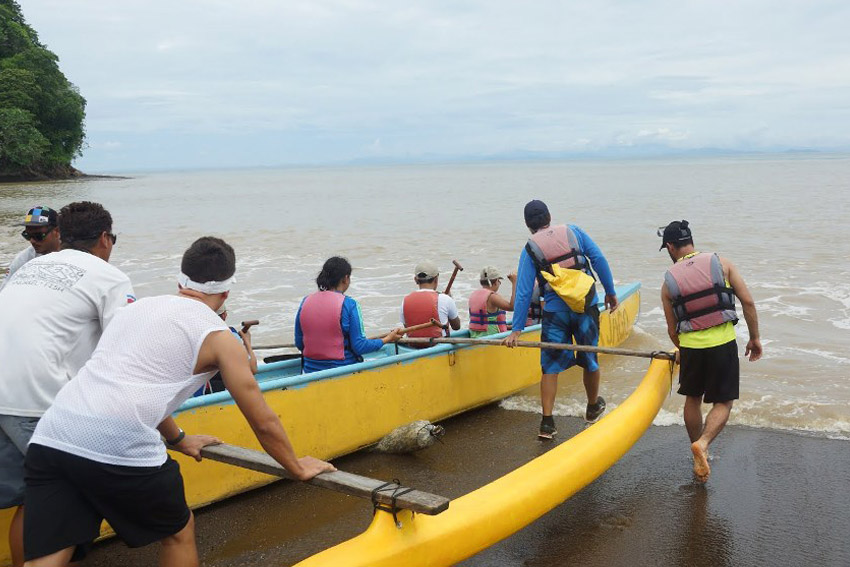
(329, 327)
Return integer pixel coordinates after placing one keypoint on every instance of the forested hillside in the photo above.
(41, 112)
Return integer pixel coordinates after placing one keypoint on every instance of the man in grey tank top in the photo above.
(98, 452)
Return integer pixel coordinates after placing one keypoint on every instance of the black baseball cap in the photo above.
(673, 233)
(41, 216)
(536, 214)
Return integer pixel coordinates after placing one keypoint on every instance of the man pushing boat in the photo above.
(98, 452)
(561, 252)
(698, 297)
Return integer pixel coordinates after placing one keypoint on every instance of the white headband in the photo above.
(210, 288)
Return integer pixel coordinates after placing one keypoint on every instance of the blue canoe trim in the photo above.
(291, 381)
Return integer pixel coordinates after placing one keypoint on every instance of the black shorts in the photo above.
(710, 372)
(67, 498)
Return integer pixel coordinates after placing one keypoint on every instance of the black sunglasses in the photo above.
(37, 236)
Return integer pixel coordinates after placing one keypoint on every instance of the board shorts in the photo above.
(15, 434)
(564, 327)
(712, 373)
(69, 496)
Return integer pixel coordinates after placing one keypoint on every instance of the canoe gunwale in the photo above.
(402, 357)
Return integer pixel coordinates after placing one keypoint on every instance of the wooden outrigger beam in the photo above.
(378, 492)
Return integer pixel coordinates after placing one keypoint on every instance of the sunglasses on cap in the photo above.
(37, 236)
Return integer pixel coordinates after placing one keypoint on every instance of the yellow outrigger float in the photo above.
(503, 507)
(335, 412)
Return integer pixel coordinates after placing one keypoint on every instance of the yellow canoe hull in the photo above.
(330, 416)
(506, 505)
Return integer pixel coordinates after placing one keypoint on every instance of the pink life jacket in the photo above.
(701, 298)
(479, 317)
(420, 307)
(556, 245)
(321, 326)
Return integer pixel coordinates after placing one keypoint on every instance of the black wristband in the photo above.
(177, 439)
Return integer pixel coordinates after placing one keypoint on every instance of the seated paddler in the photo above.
(487, 309)
(426, 303)
(329, 326)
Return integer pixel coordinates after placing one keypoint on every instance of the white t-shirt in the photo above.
(52, 313)
(140, 373)
(22, 258)
(445, 307)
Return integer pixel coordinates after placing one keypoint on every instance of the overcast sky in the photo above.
(198, 83)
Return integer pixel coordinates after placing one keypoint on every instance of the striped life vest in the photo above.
(701, 297)
(480, 318)
(420, 307)
(321, 325)
(556, 245)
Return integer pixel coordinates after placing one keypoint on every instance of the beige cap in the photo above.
(426, 270)
(491, 273)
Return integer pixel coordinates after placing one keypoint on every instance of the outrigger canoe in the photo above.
(485, 516)
(335, 412)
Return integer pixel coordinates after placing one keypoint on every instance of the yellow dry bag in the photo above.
(575, 287)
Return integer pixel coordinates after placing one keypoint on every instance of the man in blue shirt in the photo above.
(569, 247)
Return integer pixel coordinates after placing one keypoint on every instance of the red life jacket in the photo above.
(321, 326)
(701, 298)
(556, 245)
(420, 307)
(479, 317)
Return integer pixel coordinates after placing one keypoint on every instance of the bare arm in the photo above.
(498, 302)
(224, 351)
(667, 304)
(753, 350)
(190, 445)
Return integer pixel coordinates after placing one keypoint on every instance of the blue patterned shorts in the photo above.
(562, 327)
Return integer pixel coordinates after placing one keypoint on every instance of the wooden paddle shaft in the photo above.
(458, 268)
(537, 344)
(347, 483)
(404, 331)
(248, 324)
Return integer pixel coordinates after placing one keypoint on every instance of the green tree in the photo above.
(41, 112)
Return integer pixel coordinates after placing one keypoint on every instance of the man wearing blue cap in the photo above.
(42, 231)
(569, 247)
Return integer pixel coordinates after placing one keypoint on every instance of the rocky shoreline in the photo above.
(63, 173)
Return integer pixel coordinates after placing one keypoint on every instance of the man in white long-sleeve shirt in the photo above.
(42, 232)
(54, 310)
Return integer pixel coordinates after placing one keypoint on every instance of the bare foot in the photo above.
(701, 468)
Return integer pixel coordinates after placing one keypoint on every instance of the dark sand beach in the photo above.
(774, 498)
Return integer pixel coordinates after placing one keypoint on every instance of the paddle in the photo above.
(458, 268)
(404, 331)
(536, 344)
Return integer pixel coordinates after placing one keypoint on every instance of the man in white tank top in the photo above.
(98, 452)
(54, 309)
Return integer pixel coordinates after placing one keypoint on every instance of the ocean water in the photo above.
(781, 220)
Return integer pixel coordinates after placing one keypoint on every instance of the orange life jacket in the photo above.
(420, 307)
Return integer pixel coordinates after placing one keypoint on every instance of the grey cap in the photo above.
(426, 270)
(491, 273)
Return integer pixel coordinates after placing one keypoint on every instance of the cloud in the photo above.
(468, 78)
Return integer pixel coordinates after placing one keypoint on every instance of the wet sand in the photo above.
(774, 498)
